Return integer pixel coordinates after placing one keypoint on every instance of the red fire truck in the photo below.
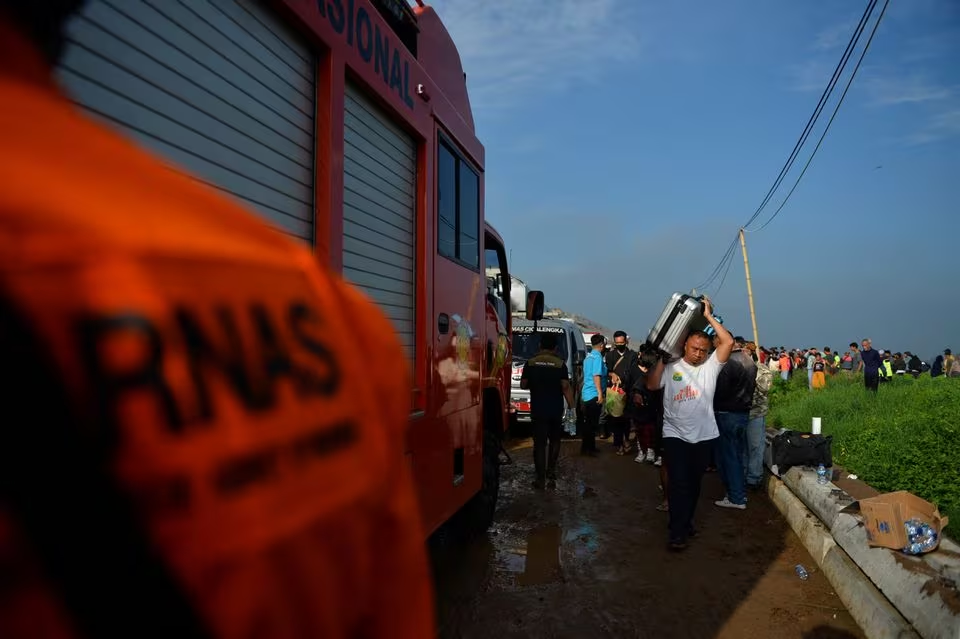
(345, 124)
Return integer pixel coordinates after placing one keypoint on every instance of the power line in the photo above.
(727, 270)
(716, 270)
(821, 104)
(863, 54)
(724, 265)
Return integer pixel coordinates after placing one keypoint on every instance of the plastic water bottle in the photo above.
(822, 475)
(802, 572)
(921, 537)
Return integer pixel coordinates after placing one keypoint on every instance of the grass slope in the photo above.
(906, 437)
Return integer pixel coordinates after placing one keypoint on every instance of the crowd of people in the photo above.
(703, 412)
(876, 366)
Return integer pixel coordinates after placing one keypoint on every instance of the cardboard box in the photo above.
(884, 517)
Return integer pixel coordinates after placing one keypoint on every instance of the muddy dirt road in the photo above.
(589, 559)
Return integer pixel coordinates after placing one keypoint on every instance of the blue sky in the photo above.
(627, 141)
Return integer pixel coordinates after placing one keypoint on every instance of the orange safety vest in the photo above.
(192, 447)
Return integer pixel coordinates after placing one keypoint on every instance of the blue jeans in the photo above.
(731, 449)
(756, 443)
(785, 375)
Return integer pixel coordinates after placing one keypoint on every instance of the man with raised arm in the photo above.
(689, 425)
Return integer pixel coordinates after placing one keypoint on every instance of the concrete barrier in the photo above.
(869, 608)
(923, 588)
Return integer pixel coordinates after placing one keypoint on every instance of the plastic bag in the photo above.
(615, 401)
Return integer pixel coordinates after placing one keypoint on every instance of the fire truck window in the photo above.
(469, 231)
(458, 209)
(447, 206)
(491, 259)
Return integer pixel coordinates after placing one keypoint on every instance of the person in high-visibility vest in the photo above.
(887, 366)
(192, 447)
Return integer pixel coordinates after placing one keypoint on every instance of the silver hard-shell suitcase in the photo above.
(683, 313)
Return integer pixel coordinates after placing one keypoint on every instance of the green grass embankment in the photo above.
(906, 437)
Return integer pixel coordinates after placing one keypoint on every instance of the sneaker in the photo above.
(658, 461)
(726, 503)
(651, 456)
(639, 458)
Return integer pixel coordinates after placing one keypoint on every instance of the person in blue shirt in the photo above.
(594, 388)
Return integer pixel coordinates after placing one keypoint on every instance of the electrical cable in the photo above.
(724, 264)
(724, 278)
(727, 259)
(716, 271)
(821, 104)
(829, 122)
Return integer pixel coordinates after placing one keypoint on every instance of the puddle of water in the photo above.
(543, 557)
(512, 559)
(535, 559)
(585, 491)
(582, 540)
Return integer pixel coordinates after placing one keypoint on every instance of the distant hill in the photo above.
(586, 324)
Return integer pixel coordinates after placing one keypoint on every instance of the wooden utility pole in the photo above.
(746, 268)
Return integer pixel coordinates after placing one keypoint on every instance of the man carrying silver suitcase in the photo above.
(689, 425)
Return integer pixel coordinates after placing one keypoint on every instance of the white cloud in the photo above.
(835, 36)
(811, 75)
(907, 90)
(515, 48)
(943, 125)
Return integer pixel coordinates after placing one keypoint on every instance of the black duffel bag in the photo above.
(793, 448)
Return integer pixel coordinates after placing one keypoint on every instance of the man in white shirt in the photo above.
(689, 426)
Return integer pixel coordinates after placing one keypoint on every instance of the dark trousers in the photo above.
(546, 429)
(645, 435)
(620, 427)
(685, 465)
(591, 421)
(871, 381)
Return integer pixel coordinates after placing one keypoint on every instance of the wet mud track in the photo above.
(589, 559)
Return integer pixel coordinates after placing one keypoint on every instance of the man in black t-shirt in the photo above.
(547, 378)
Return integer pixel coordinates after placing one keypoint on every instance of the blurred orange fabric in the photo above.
(262, 453)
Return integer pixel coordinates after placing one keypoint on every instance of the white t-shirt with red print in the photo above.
(688, 400)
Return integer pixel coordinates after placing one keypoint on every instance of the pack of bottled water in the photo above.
(570, 422)
(921, 537)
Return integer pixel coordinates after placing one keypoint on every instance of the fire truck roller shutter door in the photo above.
(379, 186)
(223, 88)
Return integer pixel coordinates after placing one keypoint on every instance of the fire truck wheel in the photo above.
(478, 513)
